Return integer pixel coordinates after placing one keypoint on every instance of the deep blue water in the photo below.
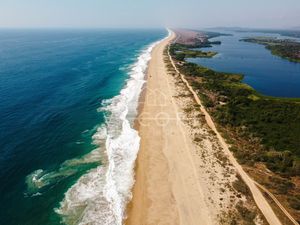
(51, 84)
(268, 74)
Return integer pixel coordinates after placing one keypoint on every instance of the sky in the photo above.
(149, 13)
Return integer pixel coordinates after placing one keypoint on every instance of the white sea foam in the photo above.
(41, 180)
(100, 196)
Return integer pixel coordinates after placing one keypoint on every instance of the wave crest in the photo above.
(101, 195)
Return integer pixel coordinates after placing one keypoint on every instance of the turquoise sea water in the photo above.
(53, 84)
(267, 73)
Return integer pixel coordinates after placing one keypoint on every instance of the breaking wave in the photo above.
(101, 195)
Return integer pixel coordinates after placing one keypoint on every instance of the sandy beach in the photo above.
(176, 183)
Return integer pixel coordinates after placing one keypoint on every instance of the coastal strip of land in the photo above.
(165, 191)
(183, 174)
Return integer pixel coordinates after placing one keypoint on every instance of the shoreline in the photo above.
(180, 167)
(132, 216)
(170, 182)
(109, 191)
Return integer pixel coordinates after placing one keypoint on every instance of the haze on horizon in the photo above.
(149, 13)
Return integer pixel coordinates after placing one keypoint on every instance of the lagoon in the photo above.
(267, 73)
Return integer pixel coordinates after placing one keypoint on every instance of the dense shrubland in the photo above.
(267, 127)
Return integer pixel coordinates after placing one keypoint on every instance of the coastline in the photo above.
(170, 182)
(110, 184)
(133, 214)
(180, 167)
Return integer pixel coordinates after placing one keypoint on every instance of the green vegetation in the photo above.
(280, 185)
(245, 213)
(181, 52)
(287, 49)
(294, 202)
(268, 128)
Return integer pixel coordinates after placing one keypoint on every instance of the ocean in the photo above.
(267, 73)
(68, 99)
